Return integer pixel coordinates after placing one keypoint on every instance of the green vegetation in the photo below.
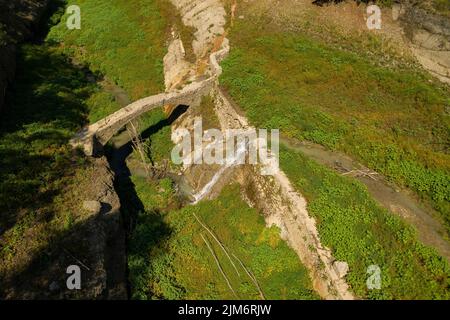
(394, 120)
(47, 109)
(123, 39)
(160, 144)
(155, 131)
(170, 260)
(101, 104)
(36, 164)
(42, 180)
(442, 6)
(361, 233)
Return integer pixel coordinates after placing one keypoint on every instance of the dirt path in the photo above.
(406, 31)
(402, 203)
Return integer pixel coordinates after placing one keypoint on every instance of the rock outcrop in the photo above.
(176, 68)
(429, 37)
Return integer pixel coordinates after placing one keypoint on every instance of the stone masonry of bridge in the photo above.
(93, 137)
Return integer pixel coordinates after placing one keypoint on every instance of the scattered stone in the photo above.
(201, 13)
(92, 206)
(341, 268)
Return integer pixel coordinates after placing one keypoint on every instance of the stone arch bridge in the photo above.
(92, 138)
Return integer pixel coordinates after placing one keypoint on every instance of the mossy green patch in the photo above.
(123, 39)
(174, 262)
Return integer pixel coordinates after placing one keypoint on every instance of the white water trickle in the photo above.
(207, 188)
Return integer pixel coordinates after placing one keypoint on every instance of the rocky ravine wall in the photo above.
(208, 17)
(429, 38)
(102, 234)
(104, 237)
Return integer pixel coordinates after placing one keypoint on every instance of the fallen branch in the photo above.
(220, 244)
(251, 276)
(218, 265)
(136, 141)
(78, 260)
(361, 173)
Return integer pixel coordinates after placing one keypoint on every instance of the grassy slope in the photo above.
(442, 6)
(122, 39)
(40, 174)
(169, 260)
(48, 105)
(166, 240)
(392, 120)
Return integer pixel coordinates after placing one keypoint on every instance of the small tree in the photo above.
(138, 146)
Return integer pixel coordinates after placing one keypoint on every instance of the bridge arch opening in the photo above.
(173, 116)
